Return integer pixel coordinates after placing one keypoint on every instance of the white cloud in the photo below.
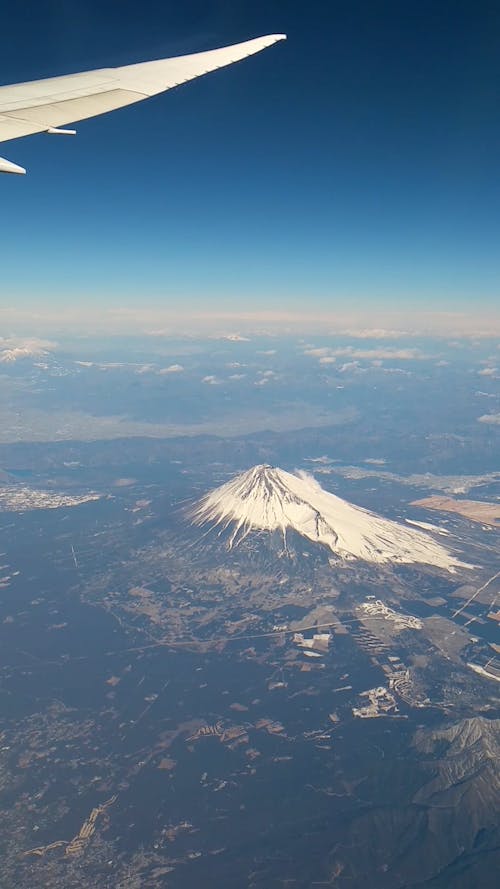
(327, 359)
(171, 369)
(237, 376)
(234, 338)
(115, 365)
(318, 353)
(350, 366)
(267, 352)
(382, 354)
(490, 419)
(488, 372)
(211, 380)
(374, 333)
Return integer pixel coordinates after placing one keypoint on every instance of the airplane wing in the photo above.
(44, 106)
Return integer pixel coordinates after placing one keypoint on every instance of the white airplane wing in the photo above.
(44, 106)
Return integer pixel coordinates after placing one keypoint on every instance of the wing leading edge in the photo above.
(43, 106)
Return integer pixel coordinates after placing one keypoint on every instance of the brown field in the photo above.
(475, 510)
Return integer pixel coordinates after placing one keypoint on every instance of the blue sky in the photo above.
(357, 164)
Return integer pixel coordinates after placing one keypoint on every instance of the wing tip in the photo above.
(259, 43)
(272, 38)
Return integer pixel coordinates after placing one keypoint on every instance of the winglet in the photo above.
(8, 167)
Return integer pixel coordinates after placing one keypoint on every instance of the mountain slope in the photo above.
(469, 767)
(268, 499)
(438, 821)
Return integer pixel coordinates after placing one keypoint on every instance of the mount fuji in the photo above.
(268, 499)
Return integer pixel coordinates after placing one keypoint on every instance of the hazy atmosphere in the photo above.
(352, 169)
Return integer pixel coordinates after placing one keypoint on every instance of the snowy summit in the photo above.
(266, 498)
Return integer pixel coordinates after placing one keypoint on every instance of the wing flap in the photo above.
(55, 89)
(60, 113)
(14, 128)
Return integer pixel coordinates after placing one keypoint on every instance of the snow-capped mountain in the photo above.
(266, 498)
(8, 356)
(13, 349)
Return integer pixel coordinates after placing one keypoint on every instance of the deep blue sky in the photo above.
(358, 163)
